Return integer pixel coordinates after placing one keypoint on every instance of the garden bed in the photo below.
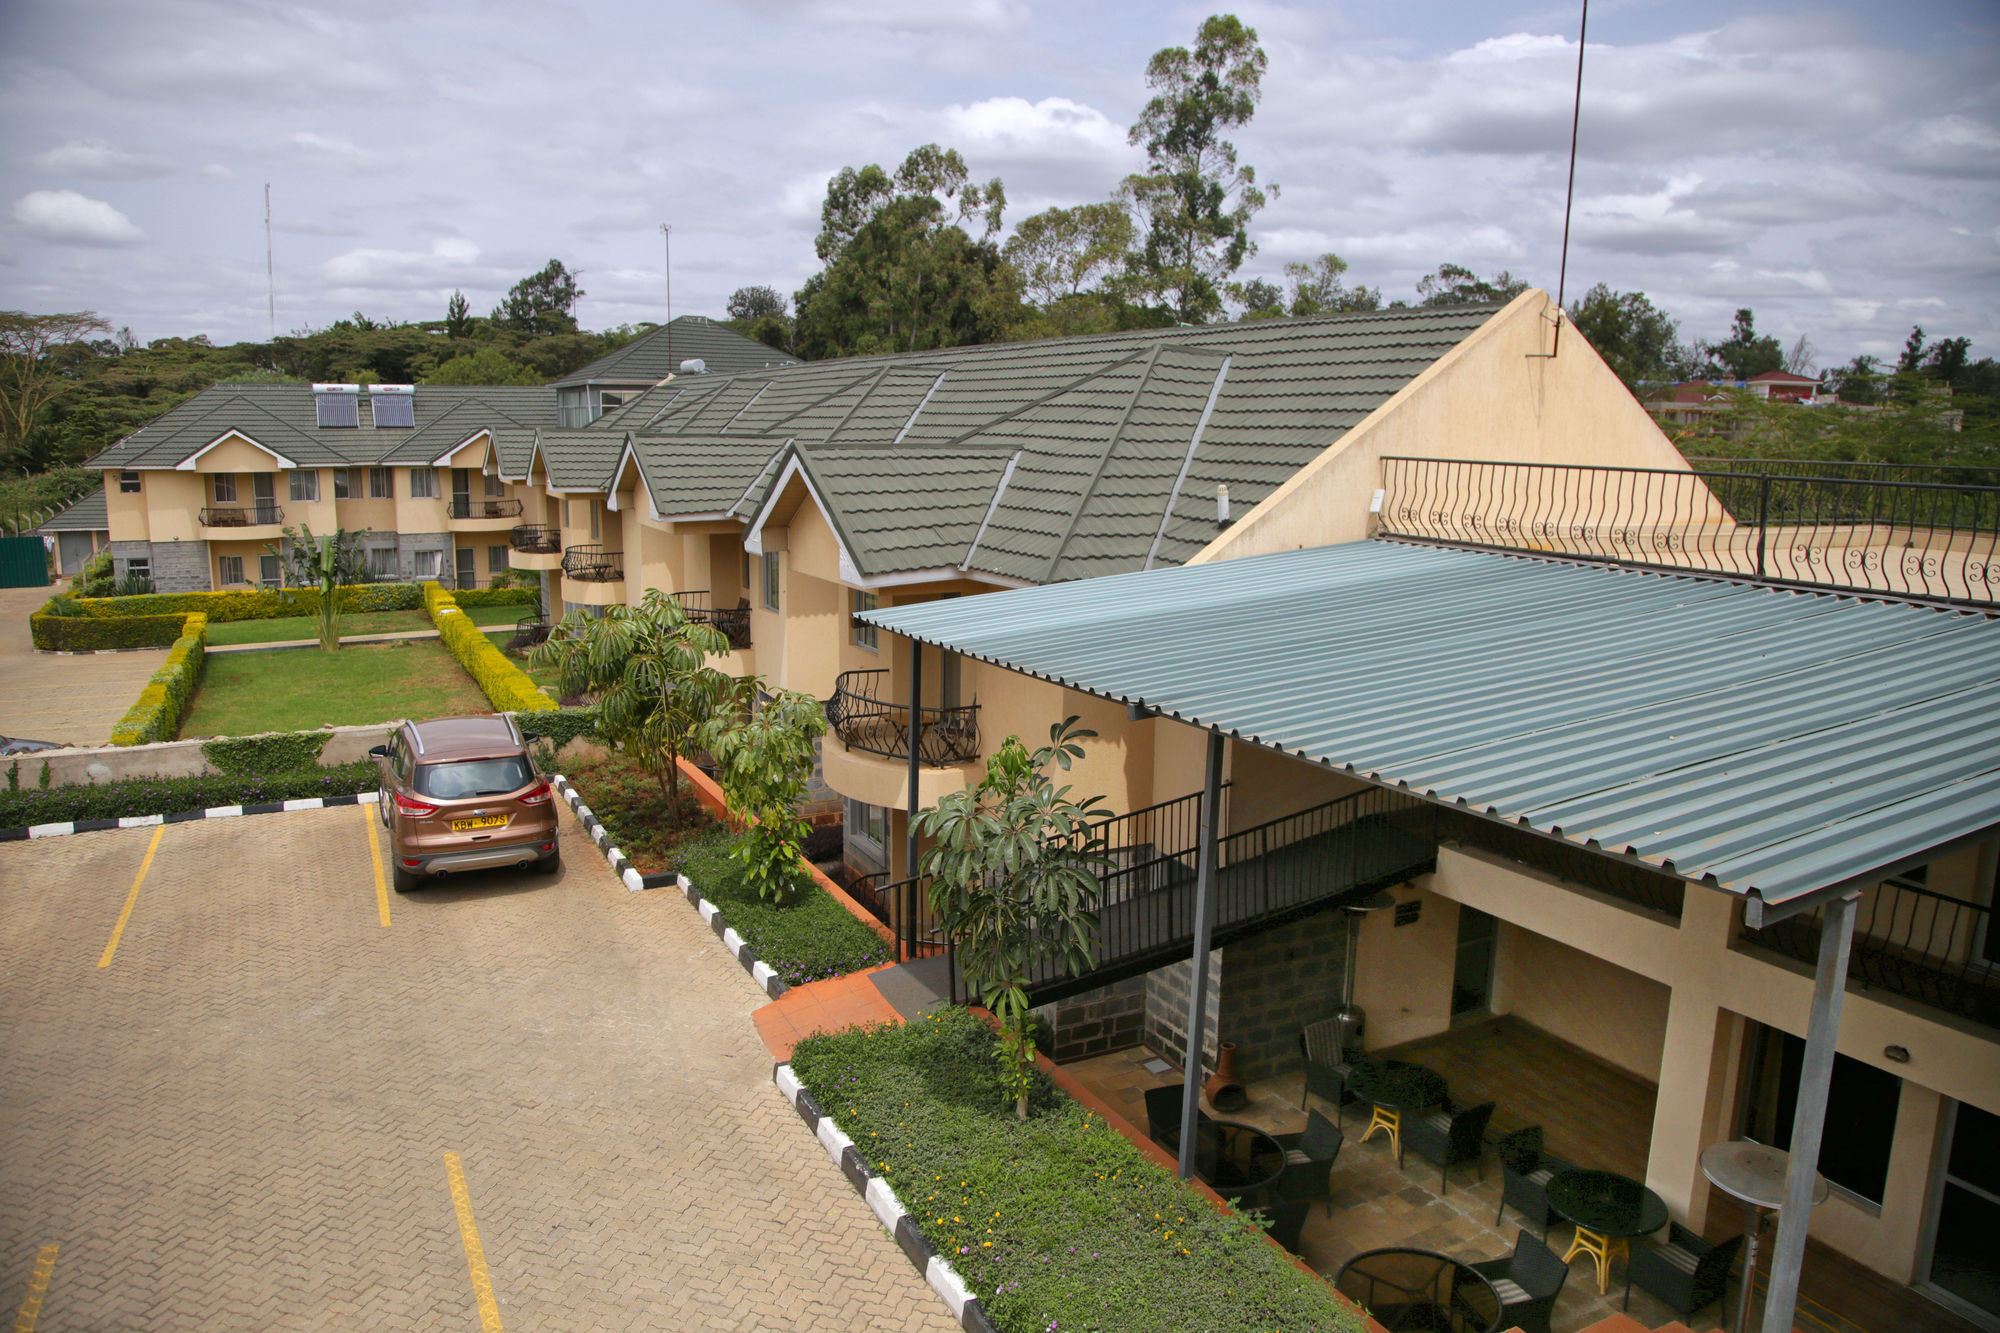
(1057, 1222)
(24, 804)
(242, 693)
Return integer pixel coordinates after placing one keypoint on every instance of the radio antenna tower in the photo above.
(667, 234)
(270, 269)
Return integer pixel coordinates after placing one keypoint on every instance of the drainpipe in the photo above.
(1836, 935)
(1204, 930)
(916, 697)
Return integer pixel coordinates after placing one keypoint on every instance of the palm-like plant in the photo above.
(646, 666)
(326, 563)
(1016, 870)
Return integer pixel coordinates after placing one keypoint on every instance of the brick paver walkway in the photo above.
(242, 1121)
(47, 697)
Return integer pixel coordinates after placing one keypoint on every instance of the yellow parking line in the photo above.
(475, 1255)
(38, 1287)
(132, 898)
(375, 859)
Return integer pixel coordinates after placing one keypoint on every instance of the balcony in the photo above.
(1909, 941)
(865, 721)
(243, 516)
(537, 538)
(733, 622)
(593, 564)
(463, 507)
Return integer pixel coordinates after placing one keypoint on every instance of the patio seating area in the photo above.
(1591, 1115)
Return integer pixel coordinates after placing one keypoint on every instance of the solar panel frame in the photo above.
(394, 409)
(337, 409)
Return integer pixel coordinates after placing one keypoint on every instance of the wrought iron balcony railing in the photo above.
(733, 621)
(242, 516)
(462, 507)
(1910, 941)
(537, 538)
(865, 721)
(1931, 534)
(593, 564)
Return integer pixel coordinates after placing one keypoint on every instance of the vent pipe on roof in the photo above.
(1222, 518)
(694, 365)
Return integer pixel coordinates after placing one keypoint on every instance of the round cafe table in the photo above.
(1607, 1210)
(1410, 1290)
(1393, 1087)
(1755, 1174)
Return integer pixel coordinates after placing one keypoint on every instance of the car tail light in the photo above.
(413, 809)
(535, 797)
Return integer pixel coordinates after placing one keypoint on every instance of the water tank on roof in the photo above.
(694, 365)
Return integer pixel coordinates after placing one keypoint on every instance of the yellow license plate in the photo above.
(490, 821)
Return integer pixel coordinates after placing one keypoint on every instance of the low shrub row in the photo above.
(497, 596)
(156, 716)
(505, 685)
(24, 803)
(279, 603)
(57, 633)
(272, 752)
(558, 726)
(809, 938)
(1056, 1222)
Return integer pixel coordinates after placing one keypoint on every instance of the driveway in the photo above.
(75, 700)
(529, 1103)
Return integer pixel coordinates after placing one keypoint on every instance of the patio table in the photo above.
(1393, 1087)
(1233, 1159)
(1407, 1290)
(1607, 1210)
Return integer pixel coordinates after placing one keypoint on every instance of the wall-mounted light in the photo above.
(1896, 1055)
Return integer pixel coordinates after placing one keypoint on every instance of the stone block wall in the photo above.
(1110, 1018)
(176, 566)
(1276, 983)
(1167, 1007)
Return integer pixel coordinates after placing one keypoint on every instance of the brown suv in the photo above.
(461, 793)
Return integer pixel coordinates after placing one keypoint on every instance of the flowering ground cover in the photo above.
(1057, 1223)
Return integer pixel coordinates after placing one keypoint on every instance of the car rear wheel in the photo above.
(549, 864)
(407, 880)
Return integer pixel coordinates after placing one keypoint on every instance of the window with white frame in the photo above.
(382, 562)
(495, 488)
(596, 521)
(864, 635)
(139, 569)
(340, 483)
(430, 564)
(225, 488)
(867, 833)
(305, 485)
(270, 570)
(381, 483)
(496, 559)
(128, 483)
(770, 580)
(423, 483)
(229, 569)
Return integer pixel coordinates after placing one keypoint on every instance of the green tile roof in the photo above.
(653, 356)
(84, 514)
(579, 460)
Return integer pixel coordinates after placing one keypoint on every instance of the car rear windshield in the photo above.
(474, 777)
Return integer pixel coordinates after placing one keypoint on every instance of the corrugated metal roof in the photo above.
(1765, 741)
(85, 514)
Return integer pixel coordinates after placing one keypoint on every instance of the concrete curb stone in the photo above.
(183, 816)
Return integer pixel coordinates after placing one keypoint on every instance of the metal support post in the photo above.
(916, 713)
(1204, 929)
(1788, 1251)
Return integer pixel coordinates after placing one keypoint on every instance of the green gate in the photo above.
(24, 563)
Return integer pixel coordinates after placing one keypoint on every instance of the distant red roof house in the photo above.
(1783, 384)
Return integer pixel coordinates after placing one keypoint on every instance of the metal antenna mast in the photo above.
(1569, 197)
(270, 269)
(667, 233)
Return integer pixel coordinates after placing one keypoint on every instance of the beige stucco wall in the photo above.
(128, 514)
(1618, 1016)
(1495, 396)
(1402, 974)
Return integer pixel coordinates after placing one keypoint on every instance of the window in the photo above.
(305, 486)
(141, 570)
(496, 559)
(596, 521)
(770, 580)
(474, 777)
(128, 483)
(337, 404)
(382, 562)
(1861, 1101)
(340, 481)
(270, 570)
(225, 488)
(495, 488)
(423, 483)
(381, 484)
(392, 408)
(746, 571)
(867, 833)
(566, 522)
(229, 569)
(864, 635)
(610, 402)
(429, 564)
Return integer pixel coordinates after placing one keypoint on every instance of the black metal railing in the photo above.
(1918, 533)
(865, 721)
(593, 564)
(465, 507)
(1910, 941)
(537, 538)
(733, 621)
(241, 516)
(1629, 881)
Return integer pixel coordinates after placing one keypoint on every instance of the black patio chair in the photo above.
(1525, 1171)
(1328, 1067)
(1288, 1221)
(1527, 1282)
(1309, 1158)
(1448, 1136)
(1163, 1115)
(1687, 1272)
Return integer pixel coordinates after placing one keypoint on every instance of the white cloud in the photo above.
(909, 15)
(215, 171)
(68, 218)
(388, 269)
(98, 159)
(327, 149)
(1014, 127)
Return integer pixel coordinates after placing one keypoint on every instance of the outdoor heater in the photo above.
(1353, 1021)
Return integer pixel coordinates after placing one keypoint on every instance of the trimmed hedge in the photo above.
(271, 752)
(85, 634)
(156, 716)
(561, 726)
(506, 686)
(31, 805)
(276, 604)
(497, 596)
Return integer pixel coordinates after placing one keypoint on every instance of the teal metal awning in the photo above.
(1769, 742)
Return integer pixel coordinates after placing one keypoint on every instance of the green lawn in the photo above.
(354, 623)
(298, 689)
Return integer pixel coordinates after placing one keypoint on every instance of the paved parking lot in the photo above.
(76, 699)
(257, 1107)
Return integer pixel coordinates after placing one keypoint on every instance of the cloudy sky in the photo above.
(1834, 165)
